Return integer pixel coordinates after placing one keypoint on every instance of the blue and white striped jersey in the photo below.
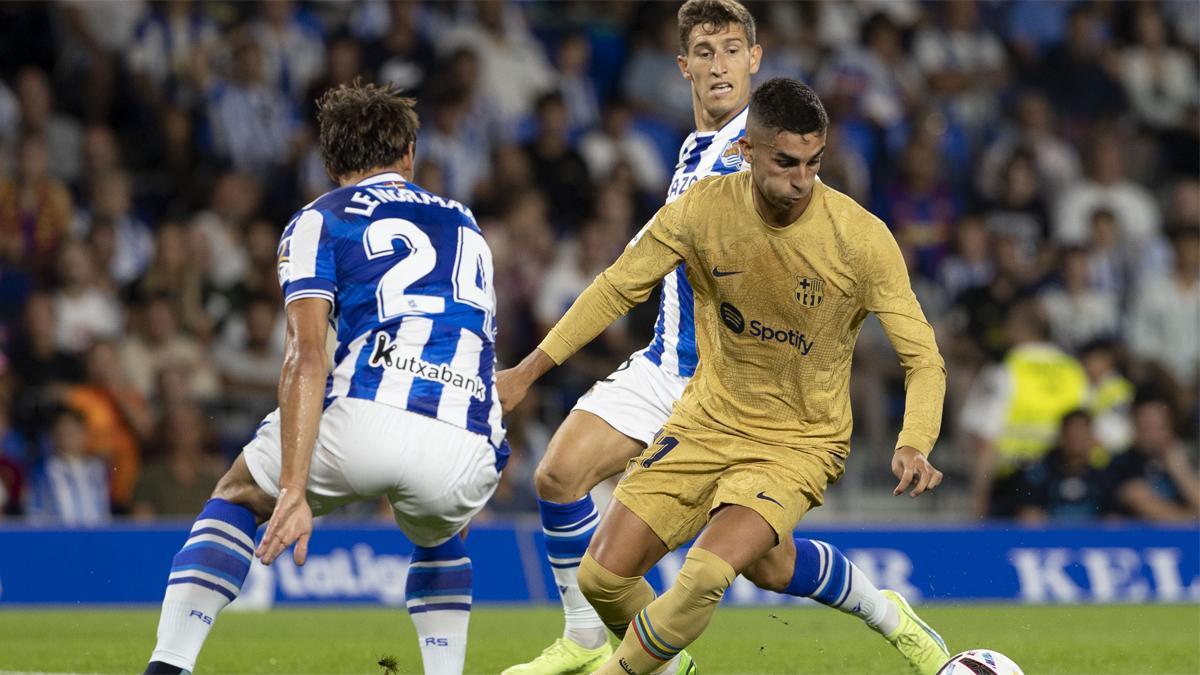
(410, 278)
(703, 154)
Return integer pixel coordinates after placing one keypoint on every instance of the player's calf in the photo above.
(808, 568)
(206, 575)
(438, 594)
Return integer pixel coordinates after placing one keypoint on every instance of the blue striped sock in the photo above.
(825, 575)
(438, 591)
(568, 530)
(206, 575)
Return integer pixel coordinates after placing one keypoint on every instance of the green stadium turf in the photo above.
(1127, 639)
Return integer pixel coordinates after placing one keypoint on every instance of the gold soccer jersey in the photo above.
(777, 312)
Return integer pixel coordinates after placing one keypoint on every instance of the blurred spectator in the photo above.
(968, 265)
(254, 125)
(1155, 479)
(35, 209)
(1014, 409)
(1109, 264)
(69, 486)
(843, 169)
(448, 143)
(168, 43)
(522, 243)
(112, 206)
(1032, 132)
(873, 80)
(1078, 74)
(921, 209)
(963, 61)
(235, 201)
(86, 309)
(35, 356)
(617, 141)
(558, 169)
(1019, 208)
(117, 419)
(62, 133)
(156, 345)
(515, 69)
(96, 34)
(403, 55)
(1135, 209)
(651, 80)
(1110, 396)
(579, 94)
(1164, 315)
(1159, 78)
(293, 51)
(1078, 313)
(182, 477)
(249, 357)
(174, 273)
(1068, 484)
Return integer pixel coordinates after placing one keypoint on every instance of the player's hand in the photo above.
(909, 464)
(291, 523)
(512, 386)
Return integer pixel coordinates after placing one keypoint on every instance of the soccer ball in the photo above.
(980, 662)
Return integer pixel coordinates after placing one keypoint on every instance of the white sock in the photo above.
(438, 591)
(583, 625)
(206, 575)
(568, 529)
(442, 636)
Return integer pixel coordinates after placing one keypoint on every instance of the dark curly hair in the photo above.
(364, 126)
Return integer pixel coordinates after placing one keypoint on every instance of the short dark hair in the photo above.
(784, 104)
(364, 126)
(712, 16)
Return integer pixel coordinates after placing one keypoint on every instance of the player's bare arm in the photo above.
(301, 396)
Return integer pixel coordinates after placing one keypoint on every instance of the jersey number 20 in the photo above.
(472, 278)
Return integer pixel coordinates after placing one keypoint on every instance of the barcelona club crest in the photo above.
(811, 291)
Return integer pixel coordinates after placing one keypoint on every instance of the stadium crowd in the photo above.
(1038, 162)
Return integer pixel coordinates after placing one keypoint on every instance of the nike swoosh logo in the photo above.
(719, 273)
(763, 496)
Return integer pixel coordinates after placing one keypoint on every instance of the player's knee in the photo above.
(705, 576)
(237, 486)
(599, 585)
(557, 482)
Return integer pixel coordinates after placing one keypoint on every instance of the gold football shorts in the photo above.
(686, 474)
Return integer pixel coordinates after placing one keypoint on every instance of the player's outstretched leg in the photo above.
(206, 575)
(813, 569)
(438, 593)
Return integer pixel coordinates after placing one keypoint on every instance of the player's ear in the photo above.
(682, 61)
(746, 145)
(409, 160)
(755, 58)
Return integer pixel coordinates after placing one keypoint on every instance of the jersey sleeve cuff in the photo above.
(914, 440)
(309, 288)
(556, 348)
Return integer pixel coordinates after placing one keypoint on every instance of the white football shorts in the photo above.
(636, 399)
(437, 476)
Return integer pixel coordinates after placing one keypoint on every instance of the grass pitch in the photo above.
(1091, 640)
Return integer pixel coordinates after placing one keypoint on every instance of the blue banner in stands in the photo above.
(367, 564)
